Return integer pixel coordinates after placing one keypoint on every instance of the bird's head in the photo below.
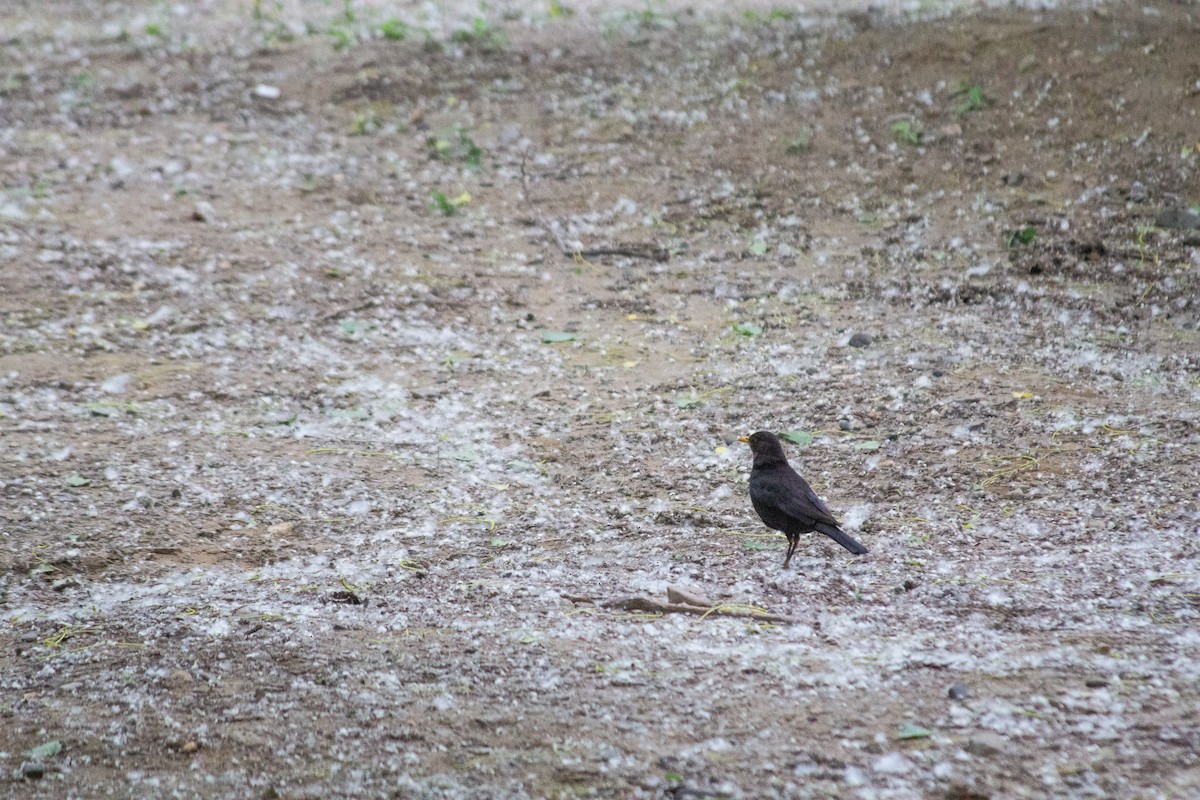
(765, 446)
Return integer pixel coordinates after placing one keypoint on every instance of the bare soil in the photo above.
(345, 378)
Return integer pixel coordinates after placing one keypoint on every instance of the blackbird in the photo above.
(785, 501)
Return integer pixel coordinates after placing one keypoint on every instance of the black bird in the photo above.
(785, 501)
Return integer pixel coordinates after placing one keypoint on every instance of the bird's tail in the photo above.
(848, 542)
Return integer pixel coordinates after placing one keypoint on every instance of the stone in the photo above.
(986, 744)
(861, 340)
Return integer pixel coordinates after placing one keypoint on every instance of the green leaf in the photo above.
(496, 541)
(800, 142)
(554, 337)
(870, 444)
(48, 750)
(394, 29)
(1022, 236)
(973, 99)
(352, 327)
(673, 777)
(444, 204)
(910, 731)
(688, 401)
(747, 329)
(357, 412)
(802, 438)
(466, 455)
(907, 132)
(755, 544)
(759, 248)
(75, 479)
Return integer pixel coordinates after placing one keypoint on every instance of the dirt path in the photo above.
(319, 457)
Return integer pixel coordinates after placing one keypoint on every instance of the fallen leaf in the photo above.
(801, 438)
(48, 750)
(910, 731)
(554, 337)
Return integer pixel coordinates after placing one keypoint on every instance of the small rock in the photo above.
(161, 316)
(1137, 192)
(121, 168)
(267, 91)
(1177, 218)
(892, 764)
(846, 425)
(678, 594)
(861, 340)
(1096, 683)
(179, 681)
(33, 771)
(203, 211)
(281, 528)
(986, 744)
(11, 210)
(117, 384)
(958, 691)
(189, 747)
(964, 791)
(853, 776)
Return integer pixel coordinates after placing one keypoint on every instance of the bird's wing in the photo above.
(797, 499)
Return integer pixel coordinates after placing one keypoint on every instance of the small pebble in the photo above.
(203, 211)
(1178, 218)
(33, 771)
(179, 681)
(680, 594)
(958, 691)
(986, 745)
(860, 340)
(117, 384)
(892, 764)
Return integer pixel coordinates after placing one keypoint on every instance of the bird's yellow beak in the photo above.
(745, 439)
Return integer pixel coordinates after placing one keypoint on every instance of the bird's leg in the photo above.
(792, 542)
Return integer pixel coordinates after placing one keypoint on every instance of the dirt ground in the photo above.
(354, 356)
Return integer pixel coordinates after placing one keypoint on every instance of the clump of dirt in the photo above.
(368, 374)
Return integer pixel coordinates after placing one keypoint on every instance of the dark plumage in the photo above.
(785, 501)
